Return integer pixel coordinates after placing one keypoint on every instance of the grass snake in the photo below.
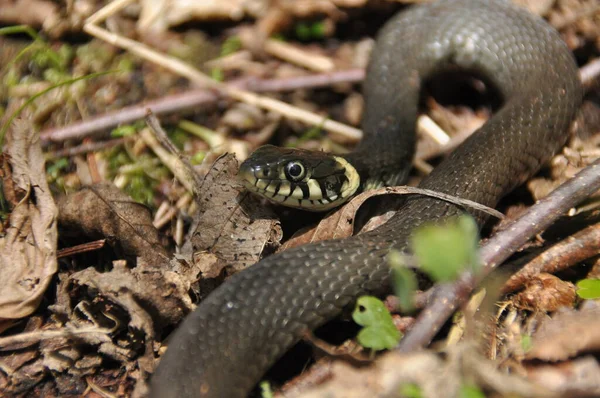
(224, 347)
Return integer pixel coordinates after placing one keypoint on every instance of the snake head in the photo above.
(309, 180)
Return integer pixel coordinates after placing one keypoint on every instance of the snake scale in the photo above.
(225, 346)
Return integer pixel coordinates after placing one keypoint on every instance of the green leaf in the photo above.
(404, 280)
(310, 30)
(31, 99)
(198, 158)
(126, 130)
(470, 391)
(231, 45)
(265, 389)
(526, 343)
(217, 74)
(303, 31)
(588, 288)
(378, 331)
(445, 250)
(411, 391)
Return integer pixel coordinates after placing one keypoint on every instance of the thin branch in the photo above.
(87, 147)
(448, 297)
(192, 100)
(37, 336)
(589, 72)
(564, 254)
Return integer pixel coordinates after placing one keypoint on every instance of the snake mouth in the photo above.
(310, 193)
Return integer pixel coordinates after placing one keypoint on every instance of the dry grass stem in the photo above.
(298, 56)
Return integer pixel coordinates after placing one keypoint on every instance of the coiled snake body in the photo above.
(224, 347)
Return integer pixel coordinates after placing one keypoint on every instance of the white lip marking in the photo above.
(314, 189)
(297, 193)
(262, 184)
(284, 190)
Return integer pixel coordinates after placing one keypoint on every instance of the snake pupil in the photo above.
(295, 171)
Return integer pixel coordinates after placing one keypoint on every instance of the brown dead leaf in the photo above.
(103, 211)
(161, 293)
(579, 377)
(568, 333)
(547, 293)
(233, 225)
(340, 223)
(28, 250)
(390, 372)
(336, 225)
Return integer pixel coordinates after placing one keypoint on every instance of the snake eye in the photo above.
(295, 171)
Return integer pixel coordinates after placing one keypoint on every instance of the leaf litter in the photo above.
(119, 308)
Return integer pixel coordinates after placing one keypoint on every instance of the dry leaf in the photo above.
(28, 250)
(389, 373)
(233, 225)
(579, 377)
(103, 211)
(555, 339)
(545, 292)
(340, 223)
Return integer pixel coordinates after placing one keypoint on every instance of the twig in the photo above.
(566, 253)
(406, 190)
(87, 147)
(175, 65)
(157, 139)
(355, 75)
(168, 104)
(498, 248)
(589, 72)
(37, 336)
(84, 247)
(191, 100)
(298, 56)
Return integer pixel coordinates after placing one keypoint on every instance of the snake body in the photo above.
(224, 347)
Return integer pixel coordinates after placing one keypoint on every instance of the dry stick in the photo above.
(128, 114)
(170, 156)
(87, 147)
(590, 72)
(40, 335)
(82, 248)
(298, 56)
(566, 253)
(193, 99)
(181, 68)
(449, 296)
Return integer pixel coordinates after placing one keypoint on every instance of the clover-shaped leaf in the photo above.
(378, 332)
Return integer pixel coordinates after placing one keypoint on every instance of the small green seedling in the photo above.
(411, 390)
(404, 280)
(470, 391)
(265, 389)
(378, 332)
(588, 289)
(445, 250)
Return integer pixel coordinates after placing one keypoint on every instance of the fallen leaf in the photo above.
(103, 211)
(545, 292)
(568, 333)
(28, 250)
(579, 377)
(232, 224)
(339, 223)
